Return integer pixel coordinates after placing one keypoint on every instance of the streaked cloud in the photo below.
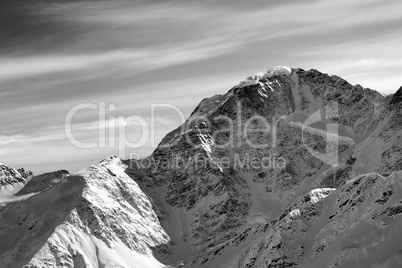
(56, 55)
(137, 60)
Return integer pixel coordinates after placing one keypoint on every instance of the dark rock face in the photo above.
(43, 181)
(397, 98)
(341, 221)
(285, 102)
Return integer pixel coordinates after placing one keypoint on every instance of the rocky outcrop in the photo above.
(397, 97)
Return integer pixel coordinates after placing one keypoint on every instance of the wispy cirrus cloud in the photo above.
(55, 55)
(139, 60)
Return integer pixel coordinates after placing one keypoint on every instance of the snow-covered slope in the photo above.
(96, 218)
(329, 197)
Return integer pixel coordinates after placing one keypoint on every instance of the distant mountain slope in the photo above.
(12, 180)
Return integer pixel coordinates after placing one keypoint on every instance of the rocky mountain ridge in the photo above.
(290, 168)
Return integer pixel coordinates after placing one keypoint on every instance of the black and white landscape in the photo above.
(139, 134)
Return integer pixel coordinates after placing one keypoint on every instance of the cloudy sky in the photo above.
(127, 55)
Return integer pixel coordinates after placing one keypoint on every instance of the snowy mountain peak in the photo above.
(279, 70)
(97, 218)
(298, 211)
(261, 77)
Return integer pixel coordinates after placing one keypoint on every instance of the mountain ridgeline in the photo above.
(289, 168)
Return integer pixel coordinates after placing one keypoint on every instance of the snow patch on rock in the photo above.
(317, 194)
(279, 70)
(261, 77)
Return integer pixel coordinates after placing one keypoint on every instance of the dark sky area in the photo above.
(55, 55)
